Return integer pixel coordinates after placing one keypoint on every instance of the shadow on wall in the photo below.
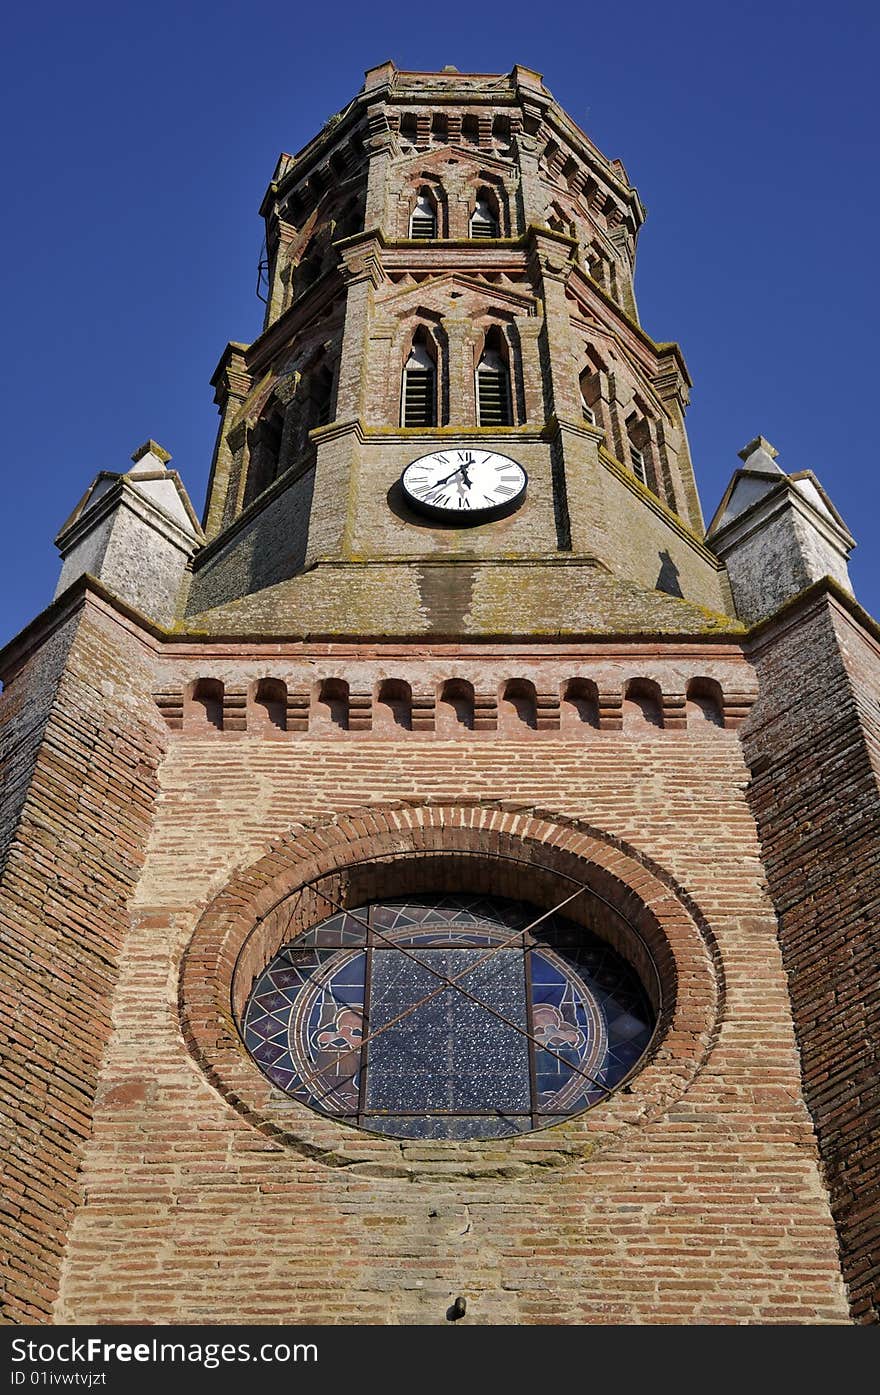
(667, 579)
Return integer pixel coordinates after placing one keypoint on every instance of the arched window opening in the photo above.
(580, 701)
(705, 703)
(493, 383)
(264, 448)
(307, 273)
(456, 705)
(419, 405)
(484, 219)
(349, 221)
(270, 700)
(408, 127)
(591, 391)
(207, 702)
(470, 130)
(642, 705)
(423, 220)
(395, 697)
(520, 701)
(332, 702)
(321, 397)
(638, 438)
(637, 462)
(440, 127)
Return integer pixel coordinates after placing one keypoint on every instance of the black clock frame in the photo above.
(471, 517)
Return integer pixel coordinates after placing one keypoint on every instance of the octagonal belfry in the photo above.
(450, 266)
(443, 879)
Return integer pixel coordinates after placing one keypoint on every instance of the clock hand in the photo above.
(460, 471)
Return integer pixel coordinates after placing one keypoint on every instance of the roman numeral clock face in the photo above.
(464, 486)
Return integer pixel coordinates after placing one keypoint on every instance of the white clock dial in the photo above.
(464, 483)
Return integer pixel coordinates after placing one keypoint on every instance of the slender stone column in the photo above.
(462, 393)
(231, 383)
(552, 260)
(362, 272)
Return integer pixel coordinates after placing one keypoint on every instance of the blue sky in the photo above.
(140, 139)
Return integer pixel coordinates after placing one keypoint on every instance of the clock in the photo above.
(464, 485)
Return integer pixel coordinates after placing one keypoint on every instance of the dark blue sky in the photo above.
(140, 139)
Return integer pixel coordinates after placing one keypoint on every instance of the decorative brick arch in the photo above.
(478, 846)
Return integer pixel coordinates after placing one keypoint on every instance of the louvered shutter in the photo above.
(483, 221)
(419, 388)
(493, 390)
(423, 223)
(637, 461)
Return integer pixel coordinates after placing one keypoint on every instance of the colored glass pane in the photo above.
(447, 1017)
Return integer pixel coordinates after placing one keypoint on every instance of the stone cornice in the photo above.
(659, 348)
(459, 432)
(123, 492)
(781, 496)
(807, 602)
(648, 497)
(737, 640)
(733, 642)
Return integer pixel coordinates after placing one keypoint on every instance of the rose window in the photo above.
(456, 1017)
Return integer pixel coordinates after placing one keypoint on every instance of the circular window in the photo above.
(447, 1017)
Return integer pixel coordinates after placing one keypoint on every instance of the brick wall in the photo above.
(80, 777)
(23, 714)
(812, 743)
(268, 549)
(709, 1209)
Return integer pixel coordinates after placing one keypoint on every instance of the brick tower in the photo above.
(446, 872)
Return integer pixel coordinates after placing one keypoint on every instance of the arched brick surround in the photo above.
(477, 847)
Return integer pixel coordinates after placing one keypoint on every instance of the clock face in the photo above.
(464, 485)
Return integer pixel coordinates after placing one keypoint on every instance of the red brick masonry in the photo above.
(203, 1195)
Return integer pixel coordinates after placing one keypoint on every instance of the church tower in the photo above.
(437, 885)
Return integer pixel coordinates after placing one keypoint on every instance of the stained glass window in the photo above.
(448, 1017)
